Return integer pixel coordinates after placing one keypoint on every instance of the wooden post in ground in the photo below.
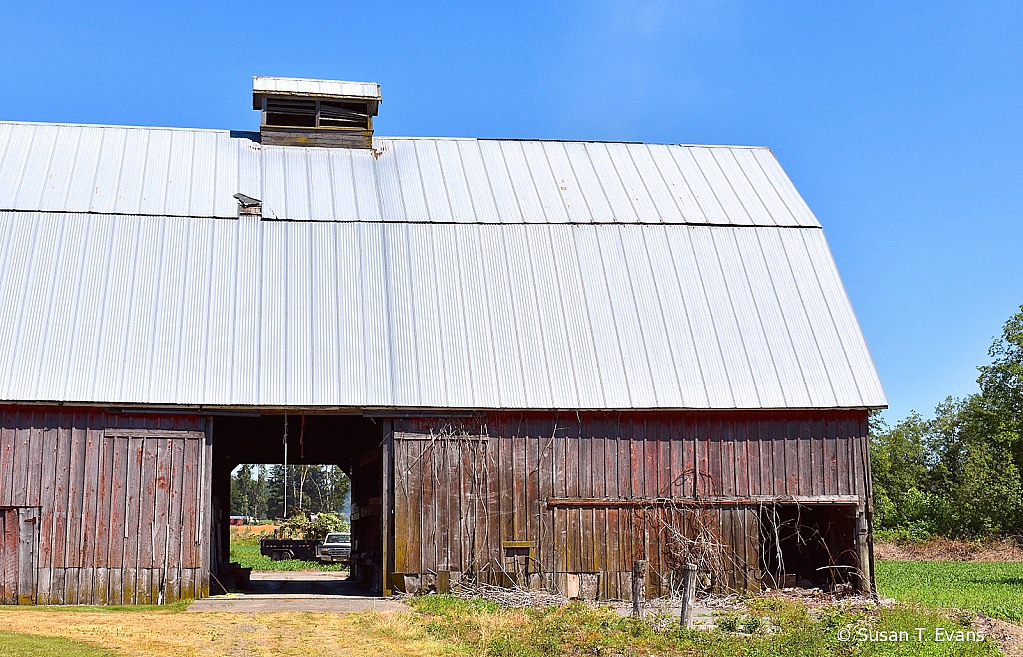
(638, 588)
(688, 595)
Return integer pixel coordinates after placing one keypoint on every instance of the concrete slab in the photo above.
(272, 591)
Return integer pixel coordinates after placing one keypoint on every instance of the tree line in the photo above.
(258, 490)
(957, 474)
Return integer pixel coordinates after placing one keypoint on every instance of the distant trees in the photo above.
(311, 488)
(958, 474)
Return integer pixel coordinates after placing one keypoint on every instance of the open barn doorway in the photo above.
(321, 451)
(810, 546)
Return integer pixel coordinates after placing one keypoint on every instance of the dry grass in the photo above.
(252, 530)
(160, 633)
(945, 549)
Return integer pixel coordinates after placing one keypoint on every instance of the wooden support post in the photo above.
(863, 555)
(638, 588)
(688, 595)
(387, 509)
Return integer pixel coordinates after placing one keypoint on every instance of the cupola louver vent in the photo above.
(328, 113)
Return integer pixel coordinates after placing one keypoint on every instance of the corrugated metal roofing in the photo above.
(174, 310)
(304, 86)
(177, 172)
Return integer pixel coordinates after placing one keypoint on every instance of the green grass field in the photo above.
(14, 644)
(994, 588)
(248, 556)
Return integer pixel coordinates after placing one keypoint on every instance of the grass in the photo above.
(245, 550)
(215, 634)
(767, 627)
(15, 644)
(449, 627)
(995, 588)
(248, 556)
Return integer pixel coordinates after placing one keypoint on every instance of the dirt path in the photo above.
(306, 590)
(1008, 635)
(169, 634)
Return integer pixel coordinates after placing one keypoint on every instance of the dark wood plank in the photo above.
(90, 513)
(559, 479)
(573, 466)
(148, 538)
(48, 499)
(9, 555)
(101, 586)
(203, 577)
(612, 526)
(518, 483)
(23, 459)
(793, 457)
(190, 473)
(177, 537)
(402, 517)
(530, 510)
(428, 506)
(585, 559)
(626, 490)
(76, 505)
(35, 467)
(162, 525)
(740, 456)
(133, 527)
(62, 500)
(7, 433)
(188, 584)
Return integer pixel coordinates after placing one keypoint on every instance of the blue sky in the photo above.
(900, 123)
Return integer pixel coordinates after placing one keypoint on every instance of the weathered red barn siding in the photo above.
(591, 493)
(120, 502)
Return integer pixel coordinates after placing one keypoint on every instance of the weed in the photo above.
(728, 622)
(751, 624)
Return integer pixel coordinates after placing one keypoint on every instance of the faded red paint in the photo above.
(110, 488)
(616, 478)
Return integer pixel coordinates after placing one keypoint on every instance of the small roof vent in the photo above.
(330, 113)
(248, 206)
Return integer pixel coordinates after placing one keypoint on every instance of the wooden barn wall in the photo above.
(592, 493)
(119, 501)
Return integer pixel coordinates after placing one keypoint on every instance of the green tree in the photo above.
(241, 486)
(974, 468)
(898, 460)
(260, 492)
(1001, 384)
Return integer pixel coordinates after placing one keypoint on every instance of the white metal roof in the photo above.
(306, 87)
(424, 273)
(178, 172)
(173, 310)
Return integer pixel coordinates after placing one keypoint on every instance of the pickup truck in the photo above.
(336, 548)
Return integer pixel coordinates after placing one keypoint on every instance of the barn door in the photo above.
(18, 554)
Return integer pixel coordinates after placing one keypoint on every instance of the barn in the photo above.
(538, 361)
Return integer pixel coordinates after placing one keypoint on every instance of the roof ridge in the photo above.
(232, 134)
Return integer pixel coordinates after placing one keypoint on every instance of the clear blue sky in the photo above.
(901, 124)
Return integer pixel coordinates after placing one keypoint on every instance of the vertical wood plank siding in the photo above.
(119, 499)
(465, 488)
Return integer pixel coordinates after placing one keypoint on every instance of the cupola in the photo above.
(326, 113)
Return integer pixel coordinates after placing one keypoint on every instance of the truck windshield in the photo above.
(338, 538)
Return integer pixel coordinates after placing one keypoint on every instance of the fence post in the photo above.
(638, 588)
(688, 595)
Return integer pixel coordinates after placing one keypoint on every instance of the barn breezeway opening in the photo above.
(303, 467)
